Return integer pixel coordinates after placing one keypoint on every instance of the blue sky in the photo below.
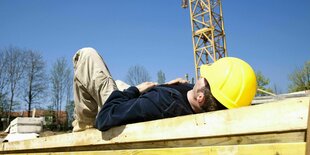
(272, 36)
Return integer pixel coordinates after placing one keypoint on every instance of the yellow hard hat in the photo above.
(232, 81)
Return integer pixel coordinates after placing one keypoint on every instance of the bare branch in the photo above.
(35, 79)
(136, 75)
(61, 78)
(15, 67)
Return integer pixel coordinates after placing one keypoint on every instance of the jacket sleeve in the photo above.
(123, 108)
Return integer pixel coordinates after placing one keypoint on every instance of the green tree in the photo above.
(70, 112)
(161, 78)
(262, 83)
(300, 78)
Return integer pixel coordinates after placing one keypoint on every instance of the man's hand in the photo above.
(175, 81)
(145, 86)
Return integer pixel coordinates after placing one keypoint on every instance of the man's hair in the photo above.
(210, 102)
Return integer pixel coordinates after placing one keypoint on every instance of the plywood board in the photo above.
(292, 137)
(308, 134)
(255, 149)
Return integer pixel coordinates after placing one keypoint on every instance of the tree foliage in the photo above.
(262, 83)
(300, 78)
(69, 103)
(161, 78)
(136, 75)
(70, 112)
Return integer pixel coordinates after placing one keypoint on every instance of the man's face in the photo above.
(201, 82)
(196, 95)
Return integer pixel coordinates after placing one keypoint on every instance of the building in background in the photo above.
(50, 117)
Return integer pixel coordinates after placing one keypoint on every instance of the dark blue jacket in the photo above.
(129, 106)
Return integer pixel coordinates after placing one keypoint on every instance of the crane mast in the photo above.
(208, 35)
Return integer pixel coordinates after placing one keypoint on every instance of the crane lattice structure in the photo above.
(208, 35)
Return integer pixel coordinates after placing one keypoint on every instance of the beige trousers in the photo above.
(93, 84)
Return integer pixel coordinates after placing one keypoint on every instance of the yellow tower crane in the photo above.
(208, 33)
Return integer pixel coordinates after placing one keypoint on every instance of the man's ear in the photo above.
(200, 98)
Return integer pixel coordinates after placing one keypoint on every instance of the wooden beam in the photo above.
(283, 116)
(266, 99)
(292, 137)
(308, 134)
(255, 149)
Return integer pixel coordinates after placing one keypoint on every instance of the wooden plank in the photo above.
(255, 149)
(308, 134)
(266, 99)
(297, 136)
(281, 116)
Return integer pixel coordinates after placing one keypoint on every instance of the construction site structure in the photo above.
(208, 35)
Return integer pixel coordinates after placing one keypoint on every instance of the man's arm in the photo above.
(145, 86)
(127, 107)
(176, 81)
